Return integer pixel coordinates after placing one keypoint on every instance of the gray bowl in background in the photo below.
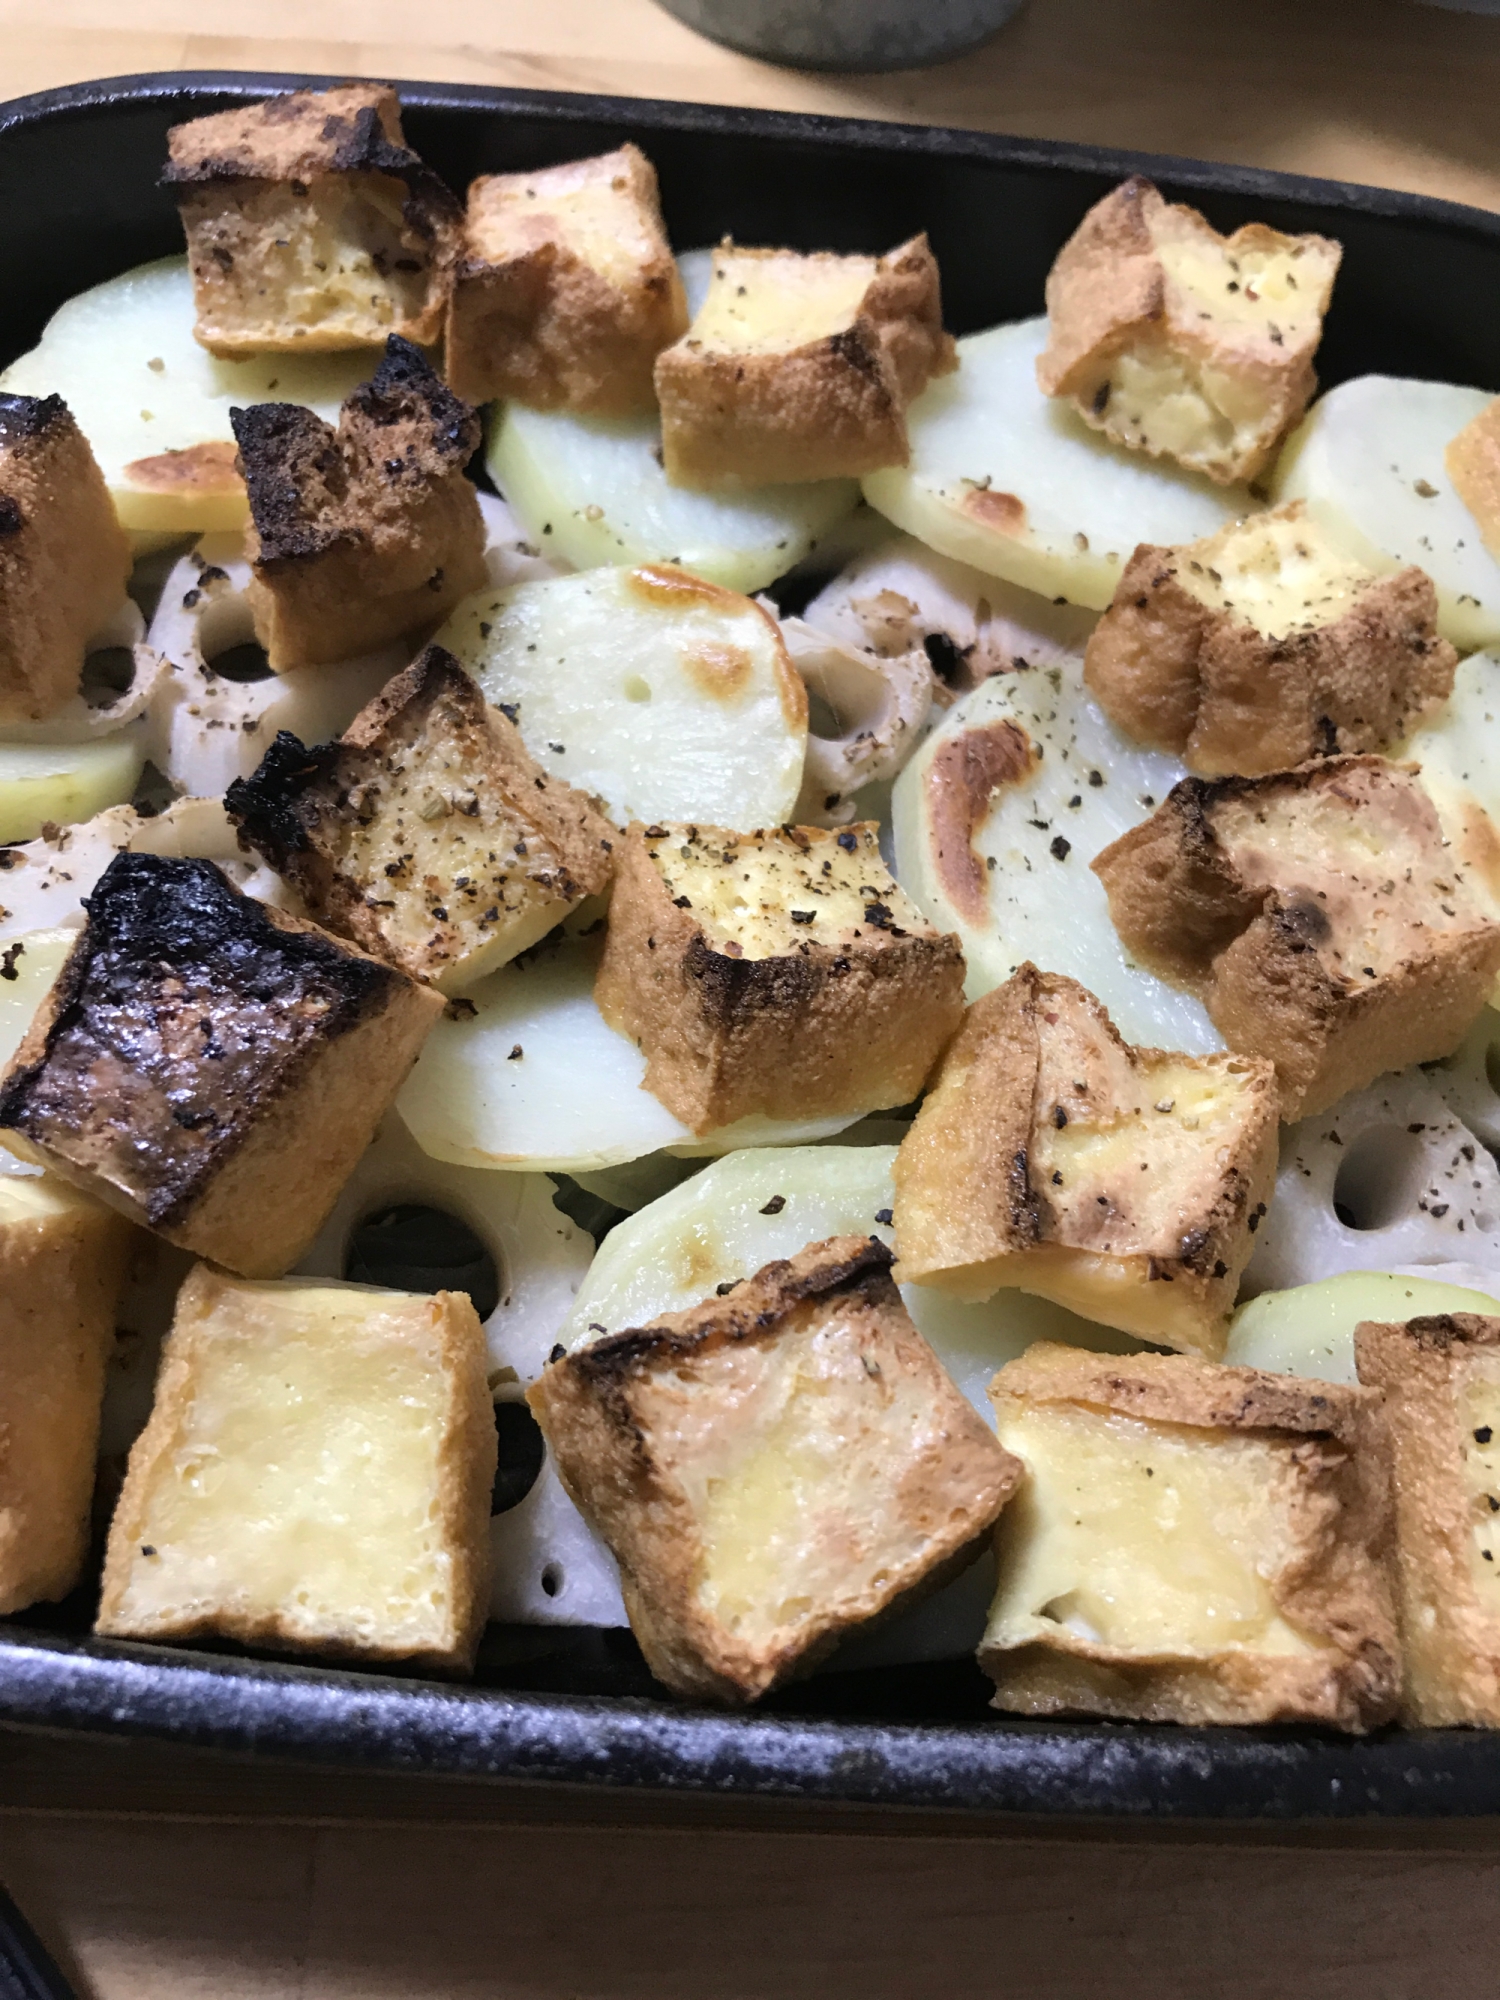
(847, 34)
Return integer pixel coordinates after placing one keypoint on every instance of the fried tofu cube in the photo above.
(1050, 1155)
(427, 833)
(773, 1469)
(780, 972)
(367, 534)
(801, 367)
(1175, 340)
(64, 558)
(62, 1265)
(311, 225)
(1263, 646)
(315, 1476)
(209, 1066)
(1321, 914)
(1191, 1543)
(1441, 1413)
(1473, 463)
(566, 290)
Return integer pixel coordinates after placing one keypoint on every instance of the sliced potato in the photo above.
(31, 963)
(664, 696)
(123, 357)
(1011, 875)
(534, 1080)
(60, 783)
(1015, 483)
(1310, 1329)
(1368, 460)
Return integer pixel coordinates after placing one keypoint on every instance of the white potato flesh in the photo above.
(1310, 1329)
(1368, 461)
(1015, 482)
(536, 1081)
(61, 783)
(123, 357)
(1458, 748)
(1040, 899)
(31, 964)
(665, 697)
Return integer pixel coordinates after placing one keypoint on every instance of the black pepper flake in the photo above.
(8, 961)
(147, 1549)
(1059, 1116)
(559, 1350)
(1438, 1210)
(848, 842)
(721, 1291)
(516, 1053)
(682, 903)
(1096, 779)
(803, 916)
(886, 1216)
(511, 710)
(1483, 1434)
(775, 1205)
(1061, 848)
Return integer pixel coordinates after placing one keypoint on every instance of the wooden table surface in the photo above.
(169, 1875)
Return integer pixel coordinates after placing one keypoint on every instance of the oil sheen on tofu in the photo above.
(1150, 1538)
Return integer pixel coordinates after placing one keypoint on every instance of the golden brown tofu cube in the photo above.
(1441, 1413)
(780, 972)
(1191, 1543)
(566, 290)
(64, 558)
(1050, 1155)
(1473, 462)
(315, 1476)
(1177, 341)
(364, 535)
(1263, 646)
(211, 1067)
(311, 225)
(62, 1264)
(801, 367)
(1321, 914)
(427, 833)
(773, 1469)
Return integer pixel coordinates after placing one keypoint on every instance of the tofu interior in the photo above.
(775, 303)
(333, 254)
(767, 896)
(1169, 403)
(1479, 1414)
(1260, 287)
(1275, 573)
(1143, 1537)
(595, 213)
(301, 1480)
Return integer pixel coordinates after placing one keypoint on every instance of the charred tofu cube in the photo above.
(1264, 646)
(1175, 340)
(1441, 1414)
(367, 534)
(1191, 1543)
(1322, 915)
(211, 1067)
(311, 225)
(315, 1476)
(427, 834)
(62, 1264)
(780, 973)
(801, 367)
(64, 558)
(773, 1468)
(1050, 1155)
(1473, 463)
(566, 290)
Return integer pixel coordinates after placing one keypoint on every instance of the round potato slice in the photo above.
(1368, 461)
(155, 405)
(996, 820)
(1016, 484)
(1310, 1329)
(664, 696)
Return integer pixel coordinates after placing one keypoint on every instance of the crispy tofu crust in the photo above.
(183, 1563)
(1174, 340)
(364, 535)
(1325, 1569)
(311, 225)
(62, 1264)
(806, 1390)
(566, 290)
(1260, 647)
(762, 394)
(1446, 1497)
(1321, 915)
(1126, 1183)
(1473, 462)
(209, 1066)
(64, 558)
(427, 834)
(802, 984)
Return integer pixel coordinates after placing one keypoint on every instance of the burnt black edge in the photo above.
(312, 1716)
(664, 114)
